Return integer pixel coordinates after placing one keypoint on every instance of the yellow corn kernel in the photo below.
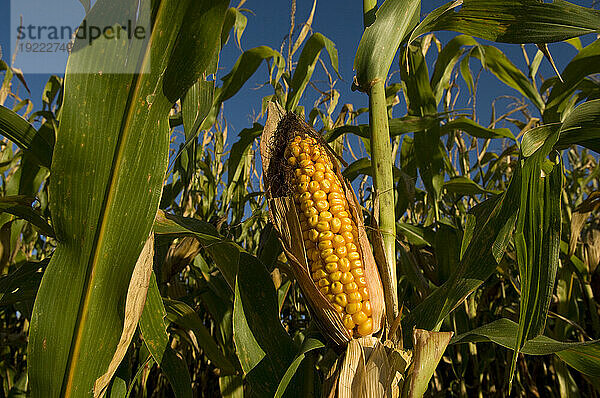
(336, 287)
(366, 308)
(338, 307)
(330, 297)
(319, 274)
(353, 308)
(322, 205)
(292, 160)
(358, 272)
(351, 287)
(348, 322)
(361, 282)
(344, 265)
(336, 210)
(359, 317)
(318, 176)
(323, 282)
(325, 216)
(354, 297)
(313, 186)
(348, 236)
(313, 221)
(327, 235)
(366, 328)
(326, 244)
(335, 224)
(353, 256)
(364, 293)
(341, 299)
(330, 268)
(304, 163)
(313, 235)
(319, 166)
(355, 264)
(326, 253)
(346, 277)
(331, 258)
(338, 240)
(351, 247)
(335, 276)
(324, 290)
(341, 251)
(319, 195)
(325, 185)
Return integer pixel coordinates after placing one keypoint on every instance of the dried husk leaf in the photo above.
(284, 216)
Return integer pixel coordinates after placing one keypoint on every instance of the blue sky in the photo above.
(268, 23)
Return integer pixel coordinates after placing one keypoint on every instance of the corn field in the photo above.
(328, 250)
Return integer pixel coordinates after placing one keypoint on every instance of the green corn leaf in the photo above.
(107, 173)
(582, 356)
(494, 217)
(586, 63)
(381, 40)
(225, 254)
(497, 63)
(19, 131)
(513, 21)
(154, 333)
(445, 63)
(245, 67)
(184, 316)
(308, 345)
(475, 130)
(582, 127)
(263, 347)
(20, 206)
(306, 66)
(22, 284)
(537, 240)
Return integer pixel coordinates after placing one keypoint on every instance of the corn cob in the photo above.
(329, 233)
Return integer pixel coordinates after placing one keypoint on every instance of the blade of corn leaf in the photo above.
(235, 19)
(380, 41)
(20, 206)
(465, 186)
(306, 66)
(497, 63)
(585, 63)
(245, 67)
(108, 170)
(537, 241)
(184, 316)
(478, 262)
(19, 131)
(475, 130)
(225, 254)
(154, 333)
(22, 284)
(582, 127)
(513, 21)
(582, 356)
(308, 345)
(263, 347)
(446, 60)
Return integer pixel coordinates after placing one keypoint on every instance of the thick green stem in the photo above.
(383, 180)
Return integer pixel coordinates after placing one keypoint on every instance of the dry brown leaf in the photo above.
(134, 305)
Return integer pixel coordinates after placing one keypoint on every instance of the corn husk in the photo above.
(284, 216)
